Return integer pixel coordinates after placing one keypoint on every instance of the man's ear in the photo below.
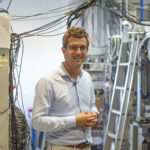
(63, 50)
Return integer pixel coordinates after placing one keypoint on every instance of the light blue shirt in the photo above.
(58, 98)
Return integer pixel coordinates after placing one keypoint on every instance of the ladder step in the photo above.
(127, 41)
(124, 64)
(117, 112)
(112, 135)
(120, 88)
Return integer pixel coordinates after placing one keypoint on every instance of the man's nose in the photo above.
(78, 51)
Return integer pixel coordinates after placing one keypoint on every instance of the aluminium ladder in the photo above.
(121, 95)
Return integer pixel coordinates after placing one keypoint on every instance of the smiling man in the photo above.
(64, 104)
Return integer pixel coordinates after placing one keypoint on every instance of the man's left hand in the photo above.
(92, 120)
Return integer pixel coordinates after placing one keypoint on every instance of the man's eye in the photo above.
(82, 47)
(74, 47)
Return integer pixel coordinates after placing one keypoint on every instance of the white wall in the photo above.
(41, 56)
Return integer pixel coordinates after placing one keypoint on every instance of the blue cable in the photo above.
(141, 10)
(33, 139)
(145, 96)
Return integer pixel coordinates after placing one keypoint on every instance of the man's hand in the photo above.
(86, 119)
(92, 120)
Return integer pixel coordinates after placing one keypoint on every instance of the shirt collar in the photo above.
(63, 71)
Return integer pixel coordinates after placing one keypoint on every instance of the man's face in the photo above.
(75, 52)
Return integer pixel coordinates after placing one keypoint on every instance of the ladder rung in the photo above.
(124, 64)
(127, 41)
(119, 88)
(116, 112)
(112, 135)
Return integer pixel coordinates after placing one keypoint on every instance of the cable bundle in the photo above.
(19, 130)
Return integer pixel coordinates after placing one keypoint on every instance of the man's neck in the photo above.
(73, 72)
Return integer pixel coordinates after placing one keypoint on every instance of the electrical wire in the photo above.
(19, 130)
(18, 77)
(40, 31)
(4, 111)
(41, 28)
(54, 24)
(54, 10)
(46, 33)
(40, 18)
(9, 4)
(40, 14)
(72, 15)
(80, 11)
(50, 9)
(54, 31)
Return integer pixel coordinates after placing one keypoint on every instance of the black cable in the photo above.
(3, 10)
(40, 35)
(19, 130)
(40, 30)
(78, 20)
(41, 27)
(76, 15)
(54, 24)
(49, 11)
(79, 11)
(12, 122)
(44, 33)
(9, 4)
(4, 111)
(10, 74)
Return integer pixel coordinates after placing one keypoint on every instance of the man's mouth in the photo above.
(78, 58)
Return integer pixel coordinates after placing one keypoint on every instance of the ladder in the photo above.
(121, 95)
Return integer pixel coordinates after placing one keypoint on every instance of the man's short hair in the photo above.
(75, 32)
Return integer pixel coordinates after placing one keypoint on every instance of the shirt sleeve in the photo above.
(92, 102)
(40, 114)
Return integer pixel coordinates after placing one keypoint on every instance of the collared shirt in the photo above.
(58, 98)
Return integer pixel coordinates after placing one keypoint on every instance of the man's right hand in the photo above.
(86, 119)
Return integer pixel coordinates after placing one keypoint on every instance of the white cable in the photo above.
(140, 46)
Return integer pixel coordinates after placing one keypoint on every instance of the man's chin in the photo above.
(78, 64)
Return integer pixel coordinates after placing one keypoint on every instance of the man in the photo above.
(64, 104)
